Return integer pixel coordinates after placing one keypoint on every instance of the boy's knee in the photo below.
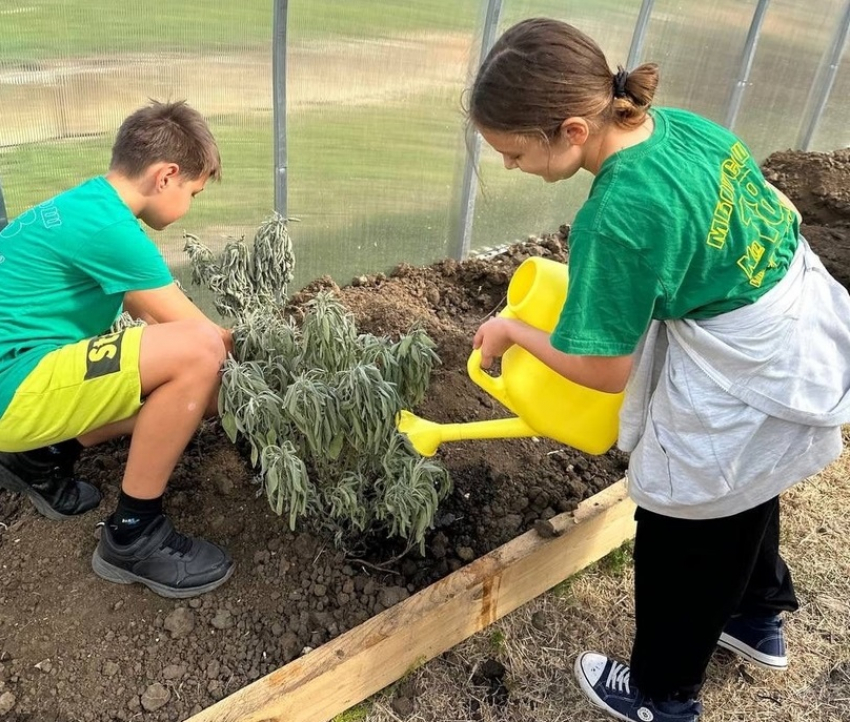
(204, 344)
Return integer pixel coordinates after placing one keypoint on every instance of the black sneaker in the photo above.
(46, 477)
(760, 640)
(166, 562)
(607, 684)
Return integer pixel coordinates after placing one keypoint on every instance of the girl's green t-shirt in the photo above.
(682, 225)
(65, 266)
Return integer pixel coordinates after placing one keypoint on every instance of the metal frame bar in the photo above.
(279, 101)
(469, 188)
(4, 217)
(639, 34)
(747, 58)
(825, 80)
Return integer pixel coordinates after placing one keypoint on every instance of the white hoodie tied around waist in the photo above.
(723, 414)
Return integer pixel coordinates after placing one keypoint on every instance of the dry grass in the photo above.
(594, 610)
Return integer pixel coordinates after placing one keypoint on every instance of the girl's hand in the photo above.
(493, 337)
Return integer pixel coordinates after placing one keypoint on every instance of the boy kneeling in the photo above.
(67, 268)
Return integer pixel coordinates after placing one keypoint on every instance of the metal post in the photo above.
(746, 63)
(4, 218)
(639, 34)
(469, 189)
(279, 83)
(826, 77)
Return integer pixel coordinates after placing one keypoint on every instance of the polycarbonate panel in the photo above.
(795, 37)
(511, 205)
(375, 140)
(833, 130)
(698, 46)
(374, 118)
(700, 50)
(72, 70)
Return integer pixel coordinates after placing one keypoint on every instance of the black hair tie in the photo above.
(621, 77)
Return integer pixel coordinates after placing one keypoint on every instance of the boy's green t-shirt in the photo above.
(682, 225)
(64, 268)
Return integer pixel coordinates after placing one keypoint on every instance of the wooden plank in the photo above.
(364, 660)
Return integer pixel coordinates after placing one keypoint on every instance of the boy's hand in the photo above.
(227, 337)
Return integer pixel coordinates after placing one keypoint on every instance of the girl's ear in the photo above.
(575, 130)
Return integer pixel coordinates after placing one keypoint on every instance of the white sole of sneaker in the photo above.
(766, 661)
(114, 574)
(590, 693)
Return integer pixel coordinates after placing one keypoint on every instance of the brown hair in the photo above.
(166, 132)
(542, 71)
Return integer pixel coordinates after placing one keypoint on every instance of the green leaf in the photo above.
(335, 446)
(228, 423)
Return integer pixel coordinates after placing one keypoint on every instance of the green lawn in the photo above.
(36, 30)
(336, 161)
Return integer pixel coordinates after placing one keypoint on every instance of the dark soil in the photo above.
(76, 648)
(819, 185)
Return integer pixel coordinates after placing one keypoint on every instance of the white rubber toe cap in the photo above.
(591, 665)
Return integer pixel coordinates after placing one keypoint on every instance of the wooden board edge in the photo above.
(381, 650)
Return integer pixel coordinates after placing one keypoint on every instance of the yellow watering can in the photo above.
(545, 403)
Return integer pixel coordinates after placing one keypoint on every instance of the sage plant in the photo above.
(316, 403)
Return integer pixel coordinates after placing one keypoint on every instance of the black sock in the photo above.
(132, 517)
(70, 449)
(64, 455)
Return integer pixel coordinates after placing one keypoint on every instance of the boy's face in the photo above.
(172, 197)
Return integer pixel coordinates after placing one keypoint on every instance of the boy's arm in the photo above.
(166, 304)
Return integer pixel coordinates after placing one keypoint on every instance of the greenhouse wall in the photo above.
(366, 139)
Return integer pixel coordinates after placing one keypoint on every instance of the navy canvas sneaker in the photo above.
(166, 562)
(606, 684)
(45, 476)
(760, 640)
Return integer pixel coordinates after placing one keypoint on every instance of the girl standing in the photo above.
(691, 288)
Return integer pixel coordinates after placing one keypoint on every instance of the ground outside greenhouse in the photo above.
(75, 648)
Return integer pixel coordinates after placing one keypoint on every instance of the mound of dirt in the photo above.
(819, 185)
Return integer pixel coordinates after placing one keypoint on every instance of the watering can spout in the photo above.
(426, 436)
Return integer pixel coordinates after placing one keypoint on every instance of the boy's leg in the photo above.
(179, 368)
(179, 365)
(690, 577)
(46, 476)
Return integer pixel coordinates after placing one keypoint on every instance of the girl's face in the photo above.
(553, 161)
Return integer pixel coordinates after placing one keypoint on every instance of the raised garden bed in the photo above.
(73, 647)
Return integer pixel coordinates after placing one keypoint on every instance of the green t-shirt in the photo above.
(682, 225)
(64, 268)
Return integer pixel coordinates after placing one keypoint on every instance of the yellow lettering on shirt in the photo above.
(749, 261)
(763, 214)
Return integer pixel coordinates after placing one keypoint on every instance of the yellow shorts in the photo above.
(75, 389)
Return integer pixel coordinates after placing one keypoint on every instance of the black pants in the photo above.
(691, 576)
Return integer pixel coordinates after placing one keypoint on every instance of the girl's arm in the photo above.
(785, 200)
(603, 373)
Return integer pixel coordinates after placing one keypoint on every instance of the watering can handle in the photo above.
(493, 385)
